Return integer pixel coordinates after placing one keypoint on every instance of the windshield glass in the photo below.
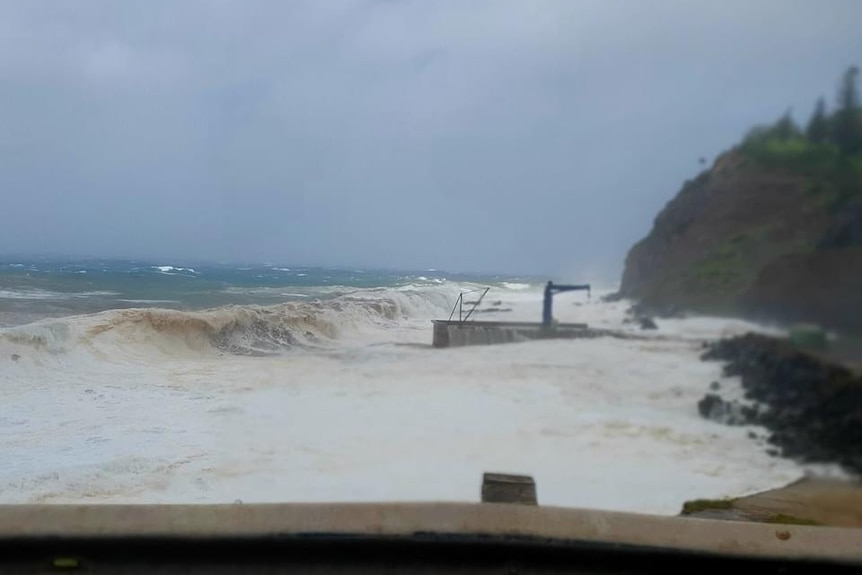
(361, 251)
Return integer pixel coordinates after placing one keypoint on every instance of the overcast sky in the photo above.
(514, 136)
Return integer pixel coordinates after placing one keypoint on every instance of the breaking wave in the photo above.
(237, 329)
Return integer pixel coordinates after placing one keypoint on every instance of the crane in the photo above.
(552, 289)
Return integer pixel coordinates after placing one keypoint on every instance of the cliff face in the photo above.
(756, 241)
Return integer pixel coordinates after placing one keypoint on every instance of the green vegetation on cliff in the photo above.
(828, 152)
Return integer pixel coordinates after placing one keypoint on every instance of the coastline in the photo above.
(807, 400)
(810, 406)
(812, 500)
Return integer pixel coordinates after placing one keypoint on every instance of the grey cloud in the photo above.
(484, 135)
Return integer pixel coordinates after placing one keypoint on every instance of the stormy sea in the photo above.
(133, 381)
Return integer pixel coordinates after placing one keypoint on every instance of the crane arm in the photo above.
(562, 288)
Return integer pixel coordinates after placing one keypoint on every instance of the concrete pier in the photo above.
(453, 333)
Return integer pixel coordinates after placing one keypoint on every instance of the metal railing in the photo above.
(459, 304)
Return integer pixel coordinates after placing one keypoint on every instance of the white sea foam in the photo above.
(149, 301)
(39, 294)
(146, 406)
(95, 293)
(32, 294)
(516, 285)
(170, 269)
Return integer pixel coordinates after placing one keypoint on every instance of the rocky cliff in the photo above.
(767, 233)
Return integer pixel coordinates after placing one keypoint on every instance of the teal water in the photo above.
(31, 289)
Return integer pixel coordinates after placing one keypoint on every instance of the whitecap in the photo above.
(516, 286)
(169, 269)
(98, 293)
(148, 301)
(32, 294)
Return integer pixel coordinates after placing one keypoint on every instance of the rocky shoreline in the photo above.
(812, 408)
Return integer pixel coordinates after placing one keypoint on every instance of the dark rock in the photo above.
(812, 408)
(641, 309)
(15, 357)
(749, 412)
(715, 408)
(772, 452)
(714, 386)
(647, 323)
(671, 311)
(752, 435)
(706, 405)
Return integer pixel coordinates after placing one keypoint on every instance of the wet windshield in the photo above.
(301, 252)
